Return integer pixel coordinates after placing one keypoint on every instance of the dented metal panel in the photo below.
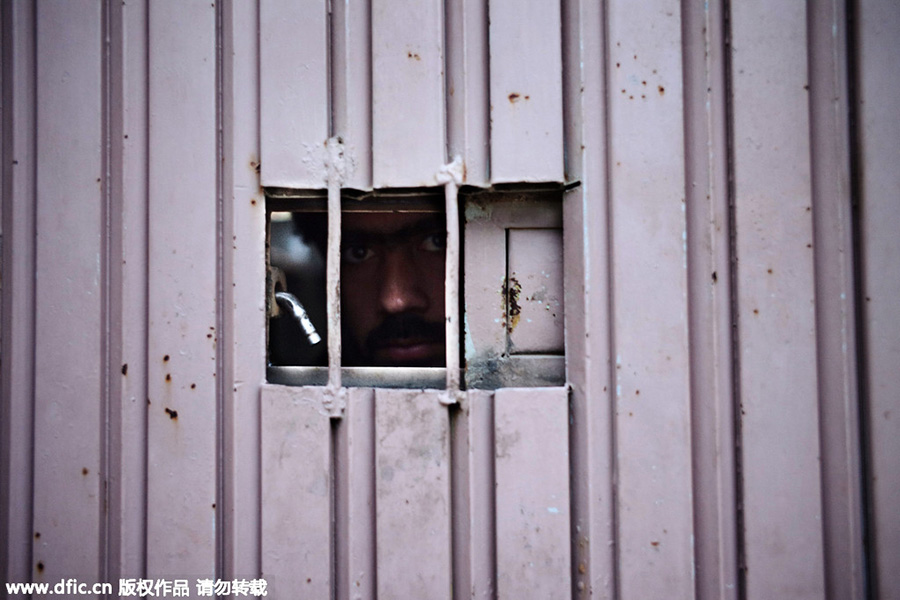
(297, 491)
(294, 96)
(69, 294)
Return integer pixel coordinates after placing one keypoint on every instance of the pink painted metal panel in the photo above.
(587, 300)
(468, 112)
(351, 88)
(412, 495)
(474, 523)
(18, 301)
(526, 91)
(128, 285)
(650, 312)
(297, 491)
(531, 449)
(408, 140)
(536, 264)
(836, 332)
(492, 302)
(878, 55)
(69, 294)
(355, 498)
(294, 99)
(485, 268)
(777, 382)
(183, 336)
(246, 206)
(709, 276)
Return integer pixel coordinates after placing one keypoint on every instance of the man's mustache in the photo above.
(404, 326)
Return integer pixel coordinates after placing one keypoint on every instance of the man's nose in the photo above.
(401, 289)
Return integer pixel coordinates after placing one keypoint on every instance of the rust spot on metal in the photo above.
(166, 358)
(510, 292)
(125, 369)
(173, 414)
(40, 567)
(84, 471)
(715, 277)
(214, 505)
(193, 386)
(662, 90)
(654, 544)
(37, 535)
(514, 97)
(168, 377)
(413, 55)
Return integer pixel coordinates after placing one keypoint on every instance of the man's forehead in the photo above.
(391, 224)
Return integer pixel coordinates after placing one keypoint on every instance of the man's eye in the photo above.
(436, 242)
(356, 254)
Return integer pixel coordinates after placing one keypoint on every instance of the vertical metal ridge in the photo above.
(19, 128)
(146, 324)
(855, 141)
(224, 527)
(834, 257)
(588, 317)
(733, 289)
(107, 293)
(611, 310)
(709, 310)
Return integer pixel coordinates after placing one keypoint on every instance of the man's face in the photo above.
(392, 289)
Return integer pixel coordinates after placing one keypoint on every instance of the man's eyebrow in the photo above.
(422, 226)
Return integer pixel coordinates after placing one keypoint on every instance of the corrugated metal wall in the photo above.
(729, 425)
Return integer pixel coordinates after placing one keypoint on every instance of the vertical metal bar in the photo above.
(333, 262)
(451, 174)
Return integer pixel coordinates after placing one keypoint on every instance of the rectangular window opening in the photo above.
(392, 283)
(392, 289)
